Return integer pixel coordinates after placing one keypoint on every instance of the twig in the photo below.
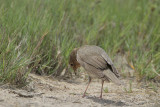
(26, 95)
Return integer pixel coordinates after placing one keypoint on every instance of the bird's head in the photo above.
(73, 60)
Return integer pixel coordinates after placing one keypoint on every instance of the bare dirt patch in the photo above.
(48, 92)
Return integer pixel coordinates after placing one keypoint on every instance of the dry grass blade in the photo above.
(39, 43)
(153, 69)
(128, 55)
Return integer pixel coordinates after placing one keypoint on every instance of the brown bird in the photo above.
(96, 62)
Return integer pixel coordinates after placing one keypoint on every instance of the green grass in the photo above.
(38, 35)
(129, 90)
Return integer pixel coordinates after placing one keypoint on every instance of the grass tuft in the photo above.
(38, 35)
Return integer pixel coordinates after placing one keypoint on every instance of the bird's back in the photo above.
(97, 63)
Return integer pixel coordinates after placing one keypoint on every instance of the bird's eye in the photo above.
(71, 64)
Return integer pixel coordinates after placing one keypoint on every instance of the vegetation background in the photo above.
(38, 35)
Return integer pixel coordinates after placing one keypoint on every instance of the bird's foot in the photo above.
(100, 97)
(83, 95)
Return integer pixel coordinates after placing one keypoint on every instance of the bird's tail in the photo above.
(112, 77)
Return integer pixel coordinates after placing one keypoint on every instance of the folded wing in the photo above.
(97, 57)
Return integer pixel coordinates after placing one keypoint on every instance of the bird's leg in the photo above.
(87, 87)
(102, 88)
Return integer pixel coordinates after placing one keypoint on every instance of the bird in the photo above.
(96, 63)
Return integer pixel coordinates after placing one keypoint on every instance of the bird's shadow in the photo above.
(106, 101)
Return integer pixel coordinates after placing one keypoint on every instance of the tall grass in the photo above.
(38, 35)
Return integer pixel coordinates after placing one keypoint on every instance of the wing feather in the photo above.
(96, 57)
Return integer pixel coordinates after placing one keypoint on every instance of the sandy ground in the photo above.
(48, 92)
